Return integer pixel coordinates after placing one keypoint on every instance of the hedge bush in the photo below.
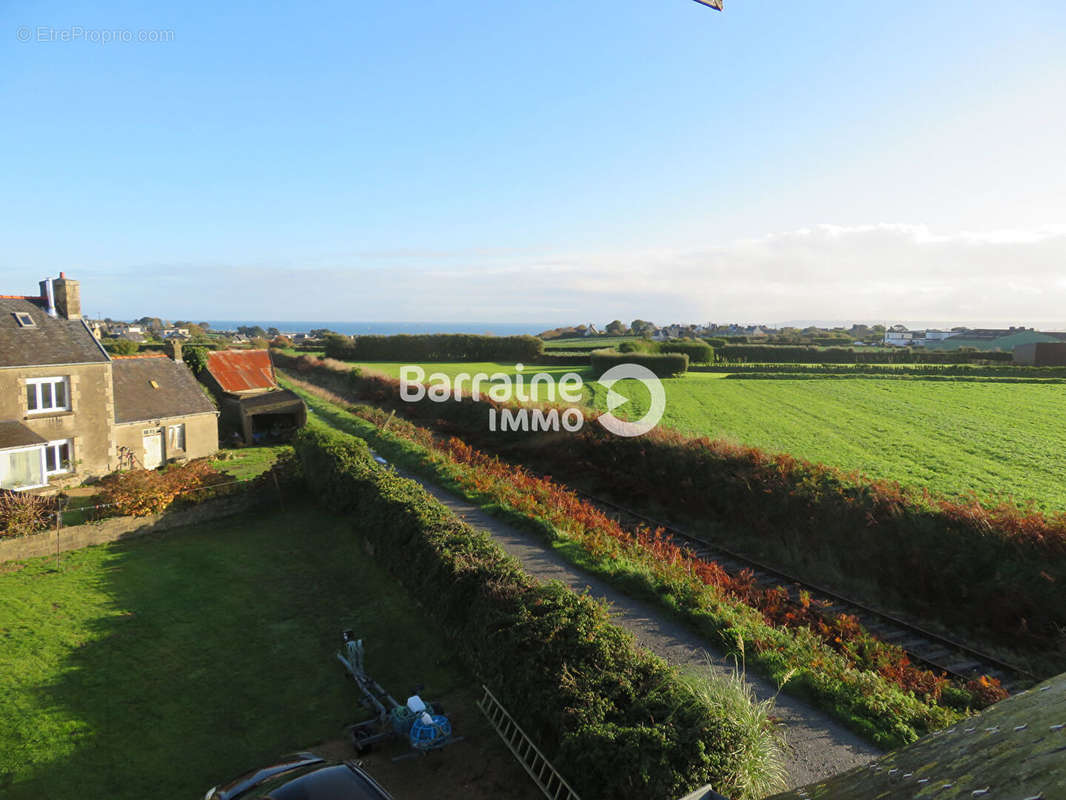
(994, 572)
(417, 348)
(664, 365)
(697, 352)
(616, 721)
(801, 354)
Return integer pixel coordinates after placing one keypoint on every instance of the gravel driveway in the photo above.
(818, 746)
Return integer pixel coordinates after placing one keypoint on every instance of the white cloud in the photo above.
(882, 272)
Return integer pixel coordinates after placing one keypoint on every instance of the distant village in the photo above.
(149, 329)
(1005, 339)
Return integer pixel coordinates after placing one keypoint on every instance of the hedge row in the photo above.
(563, 358)
(417, 348)
(613, 719)
(662, 364)
(948, 370)
(787, 354)
(994, 572)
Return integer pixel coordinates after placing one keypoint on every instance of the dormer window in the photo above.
(24, 320)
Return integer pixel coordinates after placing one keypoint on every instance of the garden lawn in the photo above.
(248, 462)
(158, 668)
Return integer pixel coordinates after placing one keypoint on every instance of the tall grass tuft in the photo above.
(760, 756)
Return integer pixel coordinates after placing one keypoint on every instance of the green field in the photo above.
(157, 668)
(951, 436)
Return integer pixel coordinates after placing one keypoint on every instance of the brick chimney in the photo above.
(68, 297)
(174, 349)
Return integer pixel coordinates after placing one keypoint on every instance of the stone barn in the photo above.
(254, 409)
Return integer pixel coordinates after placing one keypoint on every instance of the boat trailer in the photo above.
(422, 724)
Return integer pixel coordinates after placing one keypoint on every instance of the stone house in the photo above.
(69, 411)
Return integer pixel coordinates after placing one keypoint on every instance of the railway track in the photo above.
(922, 646)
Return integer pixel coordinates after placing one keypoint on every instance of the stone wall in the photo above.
(118, 528)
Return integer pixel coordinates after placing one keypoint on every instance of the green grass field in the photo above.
(954, 437)
(157, 668)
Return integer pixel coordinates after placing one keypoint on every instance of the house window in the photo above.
(57, 457)
(22, 468)
(47, 394)
(176, 437)
(24, 320)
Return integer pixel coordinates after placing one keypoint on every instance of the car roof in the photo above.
(345, 781)
(256, 777)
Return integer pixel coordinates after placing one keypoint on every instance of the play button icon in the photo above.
(616, 399)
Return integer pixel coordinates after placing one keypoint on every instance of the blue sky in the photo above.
(548, 161)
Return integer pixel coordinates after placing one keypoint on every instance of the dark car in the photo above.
(302, 776)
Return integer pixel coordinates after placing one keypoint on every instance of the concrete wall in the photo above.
(110, 530)
(89, 422)
(201, 437)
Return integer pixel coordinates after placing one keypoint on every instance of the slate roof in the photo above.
(241, 370)
(14, 434)
(178, 391)
(52, 340)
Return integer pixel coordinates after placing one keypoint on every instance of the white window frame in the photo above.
(53, 381)
(171, 430)
(39, 449)
(54, 446)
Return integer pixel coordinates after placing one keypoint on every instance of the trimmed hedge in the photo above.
(697, 352)
(563, 358)
(615, 720)
(992, 572)
(417, 348)
(800, 354)
(664, 365)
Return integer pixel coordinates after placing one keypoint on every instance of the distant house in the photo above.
(254, 408)
(69, 411)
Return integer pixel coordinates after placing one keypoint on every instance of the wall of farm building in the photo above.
(1041, 354)
(201, 437)
(88, 424)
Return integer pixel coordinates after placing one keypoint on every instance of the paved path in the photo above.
(818, 746)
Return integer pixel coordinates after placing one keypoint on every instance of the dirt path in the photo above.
(818, 746)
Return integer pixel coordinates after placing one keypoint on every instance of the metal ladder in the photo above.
(529, 756)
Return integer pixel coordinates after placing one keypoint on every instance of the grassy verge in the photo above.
(866, 685)
(244, 463)
(160, 668)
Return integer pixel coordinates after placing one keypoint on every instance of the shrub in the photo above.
(662, 364)
(195, 358)
(142, 492)
(22, 514)
(616, 721)
(122, 347)
(697, 352)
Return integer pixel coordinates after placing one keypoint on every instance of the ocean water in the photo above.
(390, 328)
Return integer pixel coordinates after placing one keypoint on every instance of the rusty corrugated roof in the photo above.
(241, 370)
